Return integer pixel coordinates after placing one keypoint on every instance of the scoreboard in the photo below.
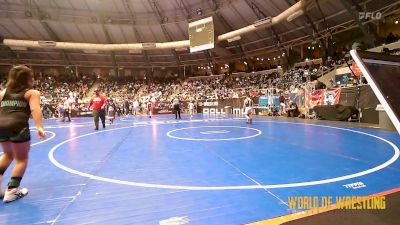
(201, 34)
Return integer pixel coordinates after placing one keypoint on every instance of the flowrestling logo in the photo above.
(369, 15)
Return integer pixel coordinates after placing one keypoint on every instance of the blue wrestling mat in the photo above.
(205, 170)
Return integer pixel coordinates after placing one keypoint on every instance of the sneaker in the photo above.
(14, 194)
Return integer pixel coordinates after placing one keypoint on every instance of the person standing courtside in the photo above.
(177, 107)
(17, 103)
(248, 109)
(98, 104)
(135, 107)
(126, 107)
(149, 108)
(67, 109)
(111, 111)
(191, 108)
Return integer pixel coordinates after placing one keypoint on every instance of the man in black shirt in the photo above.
(293, 110)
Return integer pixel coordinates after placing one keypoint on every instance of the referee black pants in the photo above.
(177, 110)
(67, 114)
(99, 114)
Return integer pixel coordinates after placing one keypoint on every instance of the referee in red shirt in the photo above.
(98, 104)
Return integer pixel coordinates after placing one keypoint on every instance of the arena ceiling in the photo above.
(149, 21)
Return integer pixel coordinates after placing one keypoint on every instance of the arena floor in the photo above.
(207, 170)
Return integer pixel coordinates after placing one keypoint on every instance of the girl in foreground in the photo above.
(17, 103)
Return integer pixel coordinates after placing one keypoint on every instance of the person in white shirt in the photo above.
(135, 107)
(248, 109)
(68, 103)
(191, 108)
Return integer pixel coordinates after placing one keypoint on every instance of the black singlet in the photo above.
(14, 116)
(247, 102)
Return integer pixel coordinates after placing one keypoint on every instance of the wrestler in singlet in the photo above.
(14, 115)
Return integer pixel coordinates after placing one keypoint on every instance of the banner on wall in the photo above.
(356, 70)
(324, 97)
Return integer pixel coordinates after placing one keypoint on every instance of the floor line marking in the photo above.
(247, 176)
(45, 140)
(79, 193)
(169, 134)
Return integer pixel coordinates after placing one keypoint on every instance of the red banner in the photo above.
(324, 97)
(316, 98)
(356, 69)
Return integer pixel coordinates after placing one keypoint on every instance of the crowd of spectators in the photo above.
(291, 83)
(57, 92)
(119, 90)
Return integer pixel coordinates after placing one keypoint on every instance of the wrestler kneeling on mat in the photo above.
(17, 103)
